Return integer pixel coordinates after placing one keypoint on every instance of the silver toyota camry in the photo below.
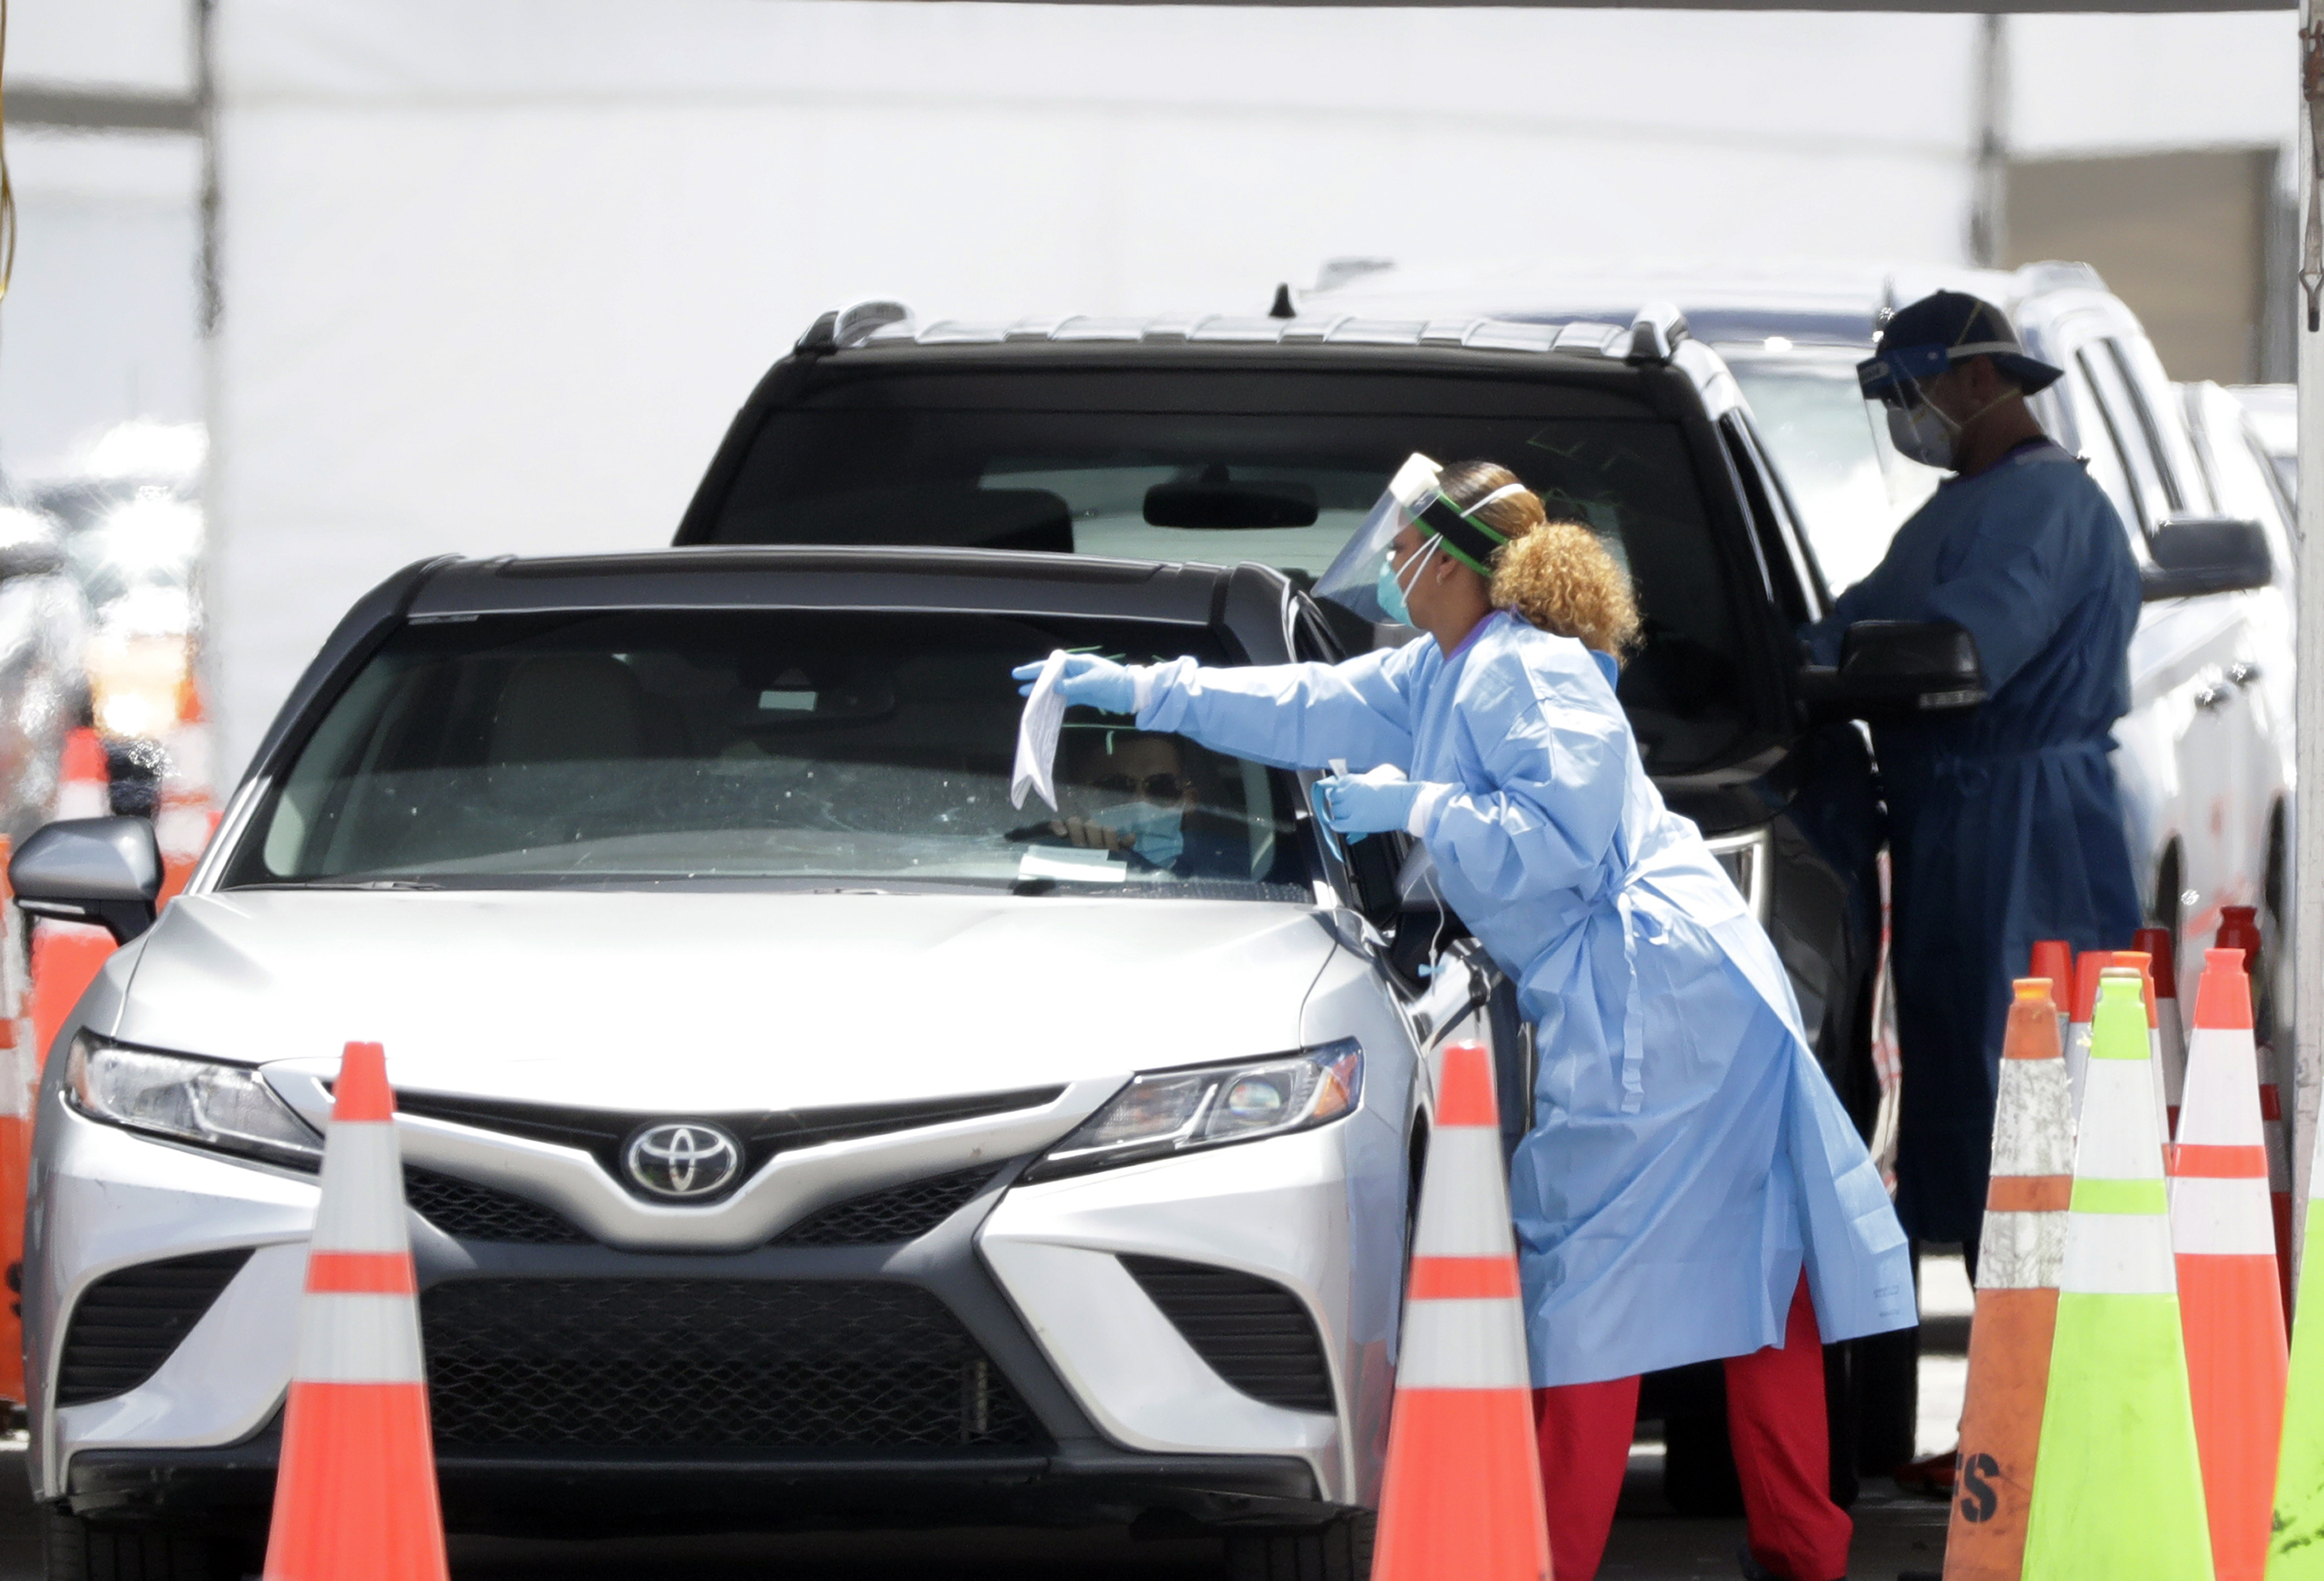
(795, 1131)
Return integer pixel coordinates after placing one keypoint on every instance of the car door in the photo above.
(2182, 735)
(1450, 988)
(2237, 796)
(2243, 486)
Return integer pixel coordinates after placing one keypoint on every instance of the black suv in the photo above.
(1227, 440)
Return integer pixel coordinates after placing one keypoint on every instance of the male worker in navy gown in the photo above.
(2005, 823)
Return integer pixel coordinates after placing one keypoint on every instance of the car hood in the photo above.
(723, 1002)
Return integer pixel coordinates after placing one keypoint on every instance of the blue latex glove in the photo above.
(1098, 683)
(1369, 804)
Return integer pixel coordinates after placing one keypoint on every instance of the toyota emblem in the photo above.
(683, 1159)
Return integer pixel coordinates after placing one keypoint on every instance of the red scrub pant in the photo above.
(1775, 1420)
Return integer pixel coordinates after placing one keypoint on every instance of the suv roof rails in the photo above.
(1650, 336)
(852, 324)
(1656, 332)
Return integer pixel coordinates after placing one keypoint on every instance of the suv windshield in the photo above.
(807, 747)
(1275, 468)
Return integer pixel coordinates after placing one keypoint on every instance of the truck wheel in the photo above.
(76, 1550)
(1342, 1551)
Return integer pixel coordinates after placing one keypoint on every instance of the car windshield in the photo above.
(1278, 469)
(810, 748)
(1851, 487)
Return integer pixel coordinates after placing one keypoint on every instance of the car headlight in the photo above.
(229, 1108)
(1167, 1112)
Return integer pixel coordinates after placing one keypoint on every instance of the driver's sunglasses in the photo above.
(1160, 787)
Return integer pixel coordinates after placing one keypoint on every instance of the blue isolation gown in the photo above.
(1687, 1154)
(2005, 826)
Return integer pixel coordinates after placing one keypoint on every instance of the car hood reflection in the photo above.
(723, 1002)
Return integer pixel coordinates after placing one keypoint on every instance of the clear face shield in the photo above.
(1354, 580)
(1899, 379)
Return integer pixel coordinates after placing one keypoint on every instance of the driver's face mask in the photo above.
(1155, 832)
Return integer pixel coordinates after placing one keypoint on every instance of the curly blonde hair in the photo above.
(1555, 574)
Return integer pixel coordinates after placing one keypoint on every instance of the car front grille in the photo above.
(691, 1366)
(1254, 1333)
(127, 1323)
(602, 1132)
(899, 1213)
(469, 1211)
(473, 1212)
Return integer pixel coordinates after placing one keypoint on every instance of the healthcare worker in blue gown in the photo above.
(2005, 823)
(1691, 1188)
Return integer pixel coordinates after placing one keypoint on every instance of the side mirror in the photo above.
(101, 870)
(1895, 669)
(2195, 555)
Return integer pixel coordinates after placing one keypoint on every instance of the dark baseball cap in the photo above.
(1923, 339)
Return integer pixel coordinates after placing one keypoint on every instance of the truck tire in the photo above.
(75, 1549)
(1342, 1551)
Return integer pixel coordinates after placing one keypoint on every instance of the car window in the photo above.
(2103, 445)
(1059, 461)
(1799, 590)
(2242, 483)
(2178, 492)
(848, 748)
(1851, 487)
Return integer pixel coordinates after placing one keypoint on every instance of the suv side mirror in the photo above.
(1892, 670)
(2195, 555)
(101, 869)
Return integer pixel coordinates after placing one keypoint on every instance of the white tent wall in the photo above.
(496, 273)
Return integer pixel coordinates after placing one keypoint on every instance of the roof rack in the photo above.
(1651, 336)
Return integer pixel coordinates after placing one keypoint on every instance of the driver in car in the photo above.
(1135, 788)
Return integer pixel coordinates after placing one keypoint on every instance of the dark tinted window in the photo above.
(1041, 460)
(848, 748)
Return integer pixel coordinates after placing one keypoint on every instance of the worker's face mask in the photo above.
(1394, 590)
(1922, 433)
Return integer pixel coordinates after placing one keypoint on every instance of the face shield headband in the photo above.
(1896, 375)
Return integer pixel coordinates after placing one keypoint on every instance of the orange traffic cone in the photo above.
(1461, 1493)
(2229, 1304)
(2087, 971)
(185, 812)
(2018, 1260)
(2141, 962)
(2239, 929)
(355, 1497)
(2170, 1032)
(84, 783)
(2054, 963)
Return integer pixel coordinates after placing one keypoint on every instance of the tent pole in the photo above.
(2307, 952)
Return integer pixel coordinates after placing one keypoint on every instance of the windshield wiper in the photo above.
(332, 884)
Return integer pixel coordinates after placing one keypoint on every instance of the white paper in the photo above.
(1071, 864)
(1036, 735)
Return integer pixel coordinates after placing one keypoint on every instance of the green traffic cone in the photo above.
(2118, 1494)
